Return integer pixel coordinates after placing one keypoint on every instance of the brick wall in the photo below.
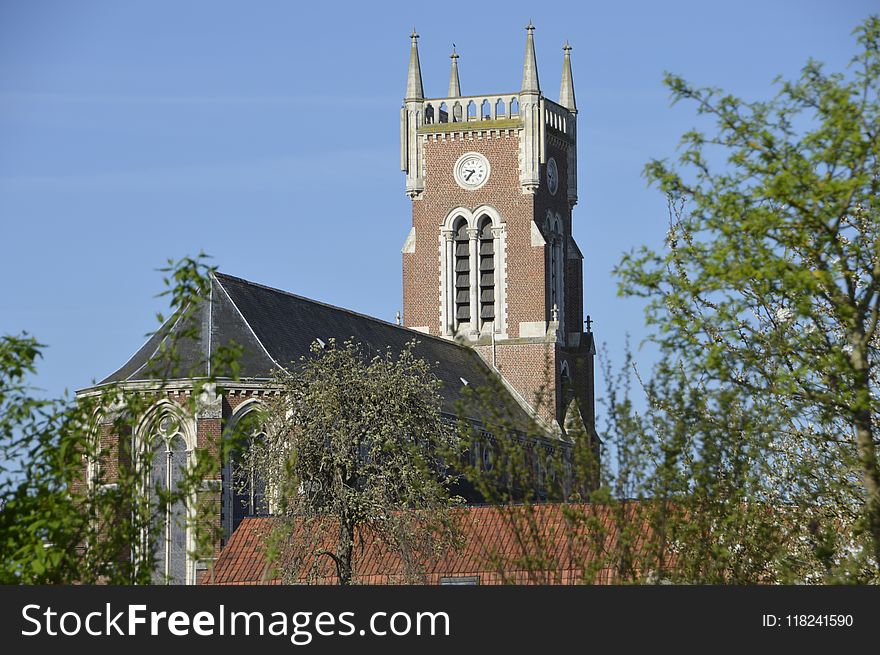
(531, 368)
(525, 263)
(558, 203)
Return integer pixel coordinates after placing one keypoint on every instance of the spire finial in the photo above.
(414, 89)
(566, 89)
(454, 83)
(530, 66)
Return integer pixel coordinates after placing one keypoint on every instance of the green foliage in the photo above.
(765, 305)
(354, 451)
(72, 490)
(560, 522)
(754, 460)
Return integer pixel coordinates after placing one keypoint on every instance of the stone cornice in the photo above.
(471, 126)
(184, 387)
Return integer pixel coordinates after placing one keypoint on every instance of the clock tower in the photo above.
(490, 260)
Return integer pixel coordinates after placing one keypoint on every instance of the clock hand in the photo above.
(469, 174)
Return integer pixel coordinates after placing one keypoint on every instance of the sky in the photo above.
(266, 135)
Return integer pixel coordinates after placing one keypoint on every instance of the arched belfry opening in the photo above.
(471, 274)
(487, 272)
(462, 274)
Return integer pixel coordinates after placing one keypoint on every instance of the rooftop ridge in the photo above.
(350, 312)
(245, 321)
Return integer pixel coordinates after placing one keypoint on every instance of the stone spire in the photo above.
(530, 67)
(566, 89)
(412, 116)
(454, 84)
(414, 89)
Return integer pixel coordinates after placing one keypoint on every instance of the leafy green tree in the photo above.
(699, 462)
(353, 453)
(63, 517)
(767, 298)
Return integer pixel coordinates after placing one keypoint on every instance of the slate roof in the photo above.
(496, 543)
(275, 328)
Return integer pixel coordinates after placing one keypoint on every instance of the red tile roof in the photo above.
(521, 544)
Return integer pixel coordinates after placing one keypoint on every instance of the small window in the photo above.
(465, 580)
(475, 454)
(488, 457)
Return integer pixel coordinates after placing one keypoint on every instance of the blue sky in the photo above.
(266, 134)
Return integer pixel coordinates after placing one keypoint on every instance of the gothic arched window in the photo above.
(462, 274)
(554, 279)
(472, 263)
(487, 271)
(555, 282)
(168, 461)
(249, 496)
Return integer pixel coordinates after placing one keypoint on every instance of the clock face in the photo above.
(471, 170)
(552, 176)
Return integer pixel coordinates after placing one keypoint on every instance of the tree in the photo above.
(353, 453)
(62, 518)
(768, 293)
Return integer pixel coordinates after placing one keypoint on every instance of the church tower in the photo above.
(490, 260)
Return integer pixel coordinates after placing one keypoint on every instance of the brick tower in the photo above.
(490, 259)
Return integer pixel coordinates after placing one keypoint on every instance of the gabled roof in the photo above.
(275, 328)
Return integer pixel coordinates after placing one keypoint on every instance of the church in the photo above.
(492, 290)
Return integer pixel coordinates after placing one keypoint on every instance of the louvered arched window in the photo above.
(472, 281)
(487, 271)
(462, 274)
